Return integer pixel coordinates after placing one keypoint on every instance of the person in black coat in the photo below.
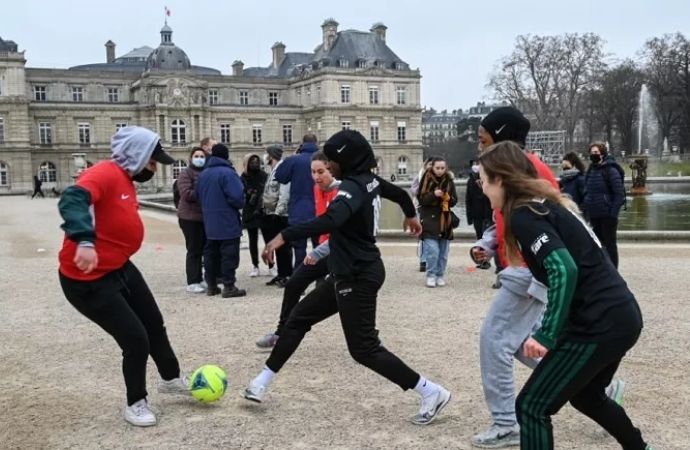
(477, 205)
(254, 180)
(572, 181)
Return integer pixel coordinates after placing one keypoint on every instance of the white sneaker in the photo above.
(430, 282)
(254, 393)
(273, 271)
(498, 436)
(177, 386)
(139, 414)
(195, 288)
(431, 407)
(440, 282)
(255, 272)
(203, 285)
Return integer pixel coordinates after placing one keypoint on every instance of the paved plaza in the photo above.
(62, 387)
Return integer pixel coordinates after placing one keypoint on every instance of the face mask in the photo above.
(143, 176)
(566, 167)
(266, 159)
(199, 161)
(475, 169)
(254, 166)
(596, 159)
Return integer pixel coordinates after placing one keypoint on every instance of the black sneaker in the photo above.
(212, 290)
(273, 281)
(422, 267)
(233, 291)
(282, 282)
(486, 265)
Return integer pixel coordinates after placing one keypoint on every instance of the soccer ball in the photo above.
(208, 383)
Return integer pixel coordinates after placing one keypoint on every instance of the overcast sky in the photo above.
(455, 44)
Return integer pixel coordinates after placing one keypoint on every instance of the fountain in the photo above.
(639, 161)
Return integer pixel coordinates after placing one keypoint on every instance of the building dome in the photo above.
(168, 56)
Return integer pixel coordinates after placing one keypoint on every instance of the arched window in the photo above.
(178, 132)
(47, 172)
(4, 174)
(178, 166)
(402, 165)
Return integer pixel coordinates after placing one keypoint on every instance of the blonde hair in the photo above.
(521, 185)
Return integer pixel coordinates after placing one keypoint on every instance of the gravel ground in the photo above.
(62, 386)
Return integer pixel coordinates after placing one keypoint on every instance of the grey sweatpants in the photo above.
(515, 312)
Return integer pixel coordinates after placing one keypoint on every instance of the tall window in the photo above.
(343, 63)
(178, 166)
(224, 133)
(344, 93)
(40, 93)
(373, 95)
(244, 97)
(213, 96)
(178, 131)
(2, 130)
(45, 133)
(4, 174)
(113, 95)
(361, 64)
(77, 94)
(346, 124)
(374, 131)
(84, 133)
(402, 165)
(287, 134)
(402, 131)
(401, 95)
(256, 134)
(120, 125)
(47, 172)
(273, 98)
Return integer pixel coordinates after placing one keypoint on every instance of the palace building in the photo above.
(54, 122)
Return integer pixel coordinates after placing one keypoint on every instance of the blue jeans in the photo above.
(436, 252)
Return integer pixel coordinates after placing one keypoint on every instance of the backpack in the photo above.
(176, 191)
(607, 179)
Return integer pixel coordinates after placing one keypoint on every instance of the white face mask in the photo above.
(475, 169)
(199, 161)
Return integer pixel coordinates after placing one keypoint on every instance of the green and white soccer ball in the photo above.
(208, 383)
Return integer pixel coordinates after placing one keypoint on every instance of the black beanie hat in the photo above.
(275, 152)
(351, 151)
(507, 124)
(220, 151)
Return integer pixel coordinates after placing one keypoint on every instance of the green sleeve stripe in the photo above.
(74, 209)
(562, 275)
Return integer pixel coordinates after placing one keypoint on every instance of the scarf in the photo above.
(429, 184)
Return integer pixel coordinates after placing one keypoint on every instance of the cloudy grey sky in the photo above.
(454, 43)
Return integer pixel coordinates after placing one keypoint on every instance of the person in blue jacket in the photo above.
(605, 195)
(220, 193)
(296, 170)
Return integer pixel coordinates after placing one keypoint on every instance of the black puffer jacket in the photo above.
(254, 182)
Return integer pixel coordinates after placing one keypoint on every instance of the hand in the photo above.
(479, 254)
(438, 193)
(309, 260)
(412, 224)
(276, 243)
(86, 259)
(533, 349)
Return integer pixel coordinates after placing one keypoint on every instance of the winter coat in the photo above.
(477, 205)
(276, 196)
(434, 212)
(220, 192)
(572, 182)
(254, 183)
(188, 208)
(603, 199)
(296, 170)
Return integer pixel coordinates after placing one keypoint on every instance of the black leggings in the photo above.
(253, 234)
(122, 304)
(194, 239)
(271, 225)
(301, 278)
(354, 299)
(577, 372)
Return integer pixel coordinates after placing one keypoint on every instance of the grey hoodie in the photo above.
(132, 148)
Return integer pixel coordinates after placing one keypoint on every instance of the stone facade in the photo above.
(51, 120)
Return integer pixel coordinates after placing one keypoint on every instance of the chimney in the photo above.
(109, 51)
(330, 30)
(380, 30)
(237, 69)
(278, 54)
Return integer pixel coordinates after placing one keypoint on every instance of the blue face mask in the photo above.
(199, 161)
